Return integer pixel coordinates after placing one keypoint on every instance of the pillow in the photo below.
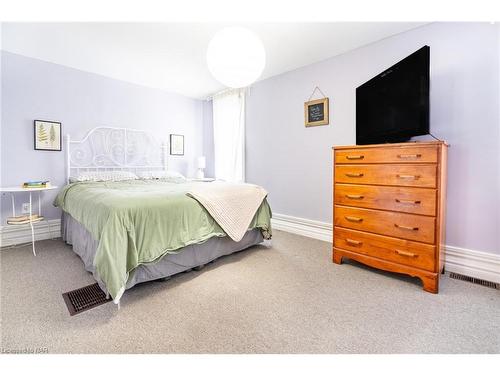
(105, 176)
(164, 175)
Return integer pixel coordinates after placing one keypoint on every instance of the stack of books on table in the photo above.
(24, 219)
(36, 184)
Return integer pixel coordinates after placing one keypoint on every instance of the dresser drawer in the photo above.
(409, 253)
(407, 226)
(403, 199)
(410, 154)
(389, 174)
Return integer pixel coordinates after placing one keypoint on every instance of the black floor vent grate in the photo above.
(83, 299)
(470, 279)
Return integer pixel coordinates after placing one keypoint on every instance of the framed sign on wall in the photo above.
(316, 112)
(47, 135)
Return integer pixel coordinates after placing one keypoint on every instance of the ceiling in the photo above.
(171, 56)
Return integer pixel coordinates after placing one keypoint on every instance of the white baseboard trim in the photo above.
(467, 262)
(304, 227)
(473, 263)
(19, 234)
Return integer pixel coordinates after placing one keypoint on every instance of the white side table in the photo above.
(16, 189)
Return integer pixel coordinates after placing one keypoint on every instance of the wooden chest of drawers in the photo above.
(389, 207)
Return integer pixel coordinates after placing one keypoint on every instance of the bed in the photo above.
(129, 231)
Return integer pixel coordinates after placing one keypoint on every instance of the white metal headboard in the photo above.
(111, 149)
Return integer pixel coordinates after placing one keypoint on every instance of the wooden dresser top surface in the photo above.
(404, 144)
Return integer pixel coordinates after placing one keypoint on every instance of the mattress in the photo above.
(85, 246)
(139, 222)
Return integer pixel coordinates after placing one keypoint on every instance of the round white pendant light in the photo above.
(236, 57)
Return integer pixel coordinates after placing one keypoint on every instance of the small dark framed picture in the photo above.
(47, 135)
(316, 112)
(176, 144)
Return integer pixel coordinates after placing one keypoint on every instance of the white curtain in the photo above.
(229, 135)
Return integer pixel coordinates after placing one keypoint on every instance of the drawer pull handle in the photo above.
(354, 218)
(353, 242)
(408, 201)
(405, 227)
(406, 254)
(354, 174)
(355, 157)
(409, 156)
(352, 196)
(408, 176)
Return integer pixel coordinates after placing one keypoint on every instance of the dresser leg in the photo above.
(431, 283)
(337, 257)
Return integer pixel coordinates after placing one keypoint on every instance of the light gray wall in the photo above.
(294, 163)
(33, 89)
(1, 25)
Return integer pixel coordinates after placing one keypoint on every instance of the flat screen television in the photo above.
(394, 105)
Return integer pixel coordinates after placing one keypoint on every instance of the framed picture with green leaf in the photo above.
(47, 135)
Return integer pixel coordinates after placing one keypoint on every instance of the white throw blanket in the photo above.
(233, 206)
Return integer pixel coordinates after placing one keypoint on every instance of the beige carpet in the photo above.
(288, 298)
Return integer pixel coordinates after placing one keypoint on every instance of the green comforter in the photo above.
(139, 221)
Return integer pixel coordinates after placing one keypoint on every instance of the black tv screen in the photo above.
(394, 106)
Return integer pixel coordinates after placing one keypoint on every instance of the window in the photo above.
(229, 135)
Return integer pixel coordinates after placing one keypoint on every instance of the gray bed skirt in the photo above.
(191, 256)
